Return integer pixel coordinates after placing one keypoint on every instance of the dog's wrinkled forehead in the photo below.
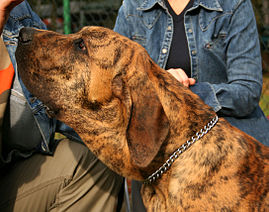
(97, 35)
(103, 46)
(89, 31)
(93, 37)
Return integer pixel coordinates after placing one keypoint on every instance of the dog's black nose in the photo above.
(26, 35)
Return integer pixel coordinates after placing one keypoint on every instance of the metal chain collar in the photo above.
(180, 150)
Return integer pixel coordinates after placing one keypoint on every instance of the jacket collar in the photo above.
(207, 4)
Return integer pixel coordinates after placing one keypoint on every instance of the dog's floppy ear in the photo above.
(148, 125)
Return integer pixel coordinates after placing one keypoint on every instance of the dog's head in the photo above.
(96, 81)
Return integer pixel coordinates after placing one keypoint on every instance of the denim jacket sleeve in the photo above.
(239, 96)
(122, 25)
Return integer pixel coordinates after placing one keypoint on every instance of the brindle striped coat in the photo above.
(133, 115)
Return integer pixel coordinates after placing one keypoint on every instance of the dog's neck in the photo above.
(177, 153)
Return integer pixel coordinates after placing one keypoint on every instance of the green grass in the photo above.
(264, 102)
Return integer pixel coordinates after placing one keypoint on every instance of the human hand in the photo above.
(5, 7)
(181, 76)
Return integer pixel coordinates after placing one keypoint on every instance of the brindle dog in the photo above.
(133, 115)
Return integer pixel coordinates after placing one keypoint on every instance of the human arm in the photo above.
(5, 8)
(6, 69)
(239, 95)
(122, 26)
(4, 56)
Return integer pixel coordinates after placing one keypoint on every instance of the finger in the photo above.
(192, 81)
(180, 75)
(183, 76)
(186, 82)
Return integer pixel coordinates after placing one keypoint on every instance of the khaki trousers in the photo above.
(73, 179)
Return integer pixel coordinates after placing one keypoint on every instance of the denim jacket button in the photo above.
(169, 28)
(164, 51)
(189, 30)
(193, 52)
(208, 45)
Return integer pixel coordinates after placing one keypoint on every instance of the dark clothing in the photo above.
(179, 56)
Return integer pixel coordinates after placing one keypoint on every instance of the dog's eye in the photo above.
(80, 45)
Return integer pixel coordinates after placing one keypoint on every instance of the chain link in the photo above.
(180, 150)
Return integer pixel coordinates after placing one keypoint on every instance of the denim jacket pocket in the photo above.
(214, 30)
(208, 18)
(149, 18)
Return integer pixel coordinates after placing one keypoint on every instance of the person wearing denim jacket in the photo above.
(39, 173)
(224, 51)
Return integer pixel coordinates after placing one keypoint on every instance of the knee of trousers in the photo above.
(72, 174)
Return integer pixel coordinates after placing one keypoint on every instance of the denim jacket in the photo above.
(224, 53)
(28, 128)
